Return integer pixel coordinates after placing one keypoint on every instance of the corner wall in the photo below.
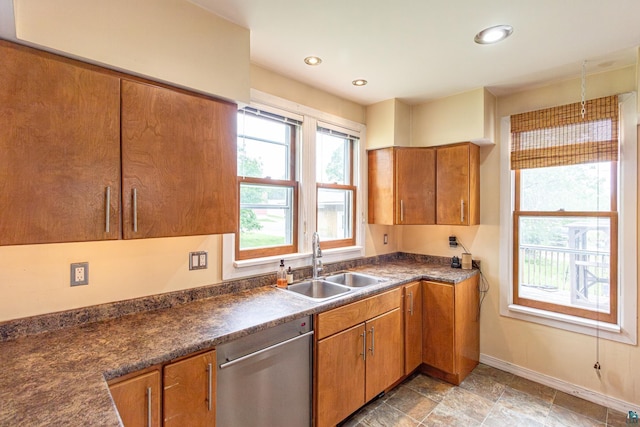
(547, 351)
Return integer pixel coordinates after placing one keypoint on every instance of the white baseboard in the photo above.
(583, 393)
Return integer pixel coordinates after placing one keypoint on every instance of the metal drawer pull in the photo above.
(107, 215)
(240, 359)
(372, 341)
(148, 406)
(135, 210)
(209, 385)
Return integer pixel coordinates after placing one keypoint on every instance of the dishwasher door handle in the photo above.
(256, 353)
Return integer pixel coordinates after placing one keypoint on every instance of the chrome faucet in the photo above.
(317, 253)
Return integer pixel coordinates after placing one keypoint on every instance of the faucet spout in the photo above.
(316, 255)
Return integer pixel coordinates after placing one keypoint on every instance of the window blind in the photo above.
(559, 136)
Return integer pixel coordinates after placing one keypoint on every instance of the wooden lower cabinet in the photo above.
(189, 393)
(358, 355)
(138, 400)
(412, 293)
(451, 329)
(341, 372)
(187, 390)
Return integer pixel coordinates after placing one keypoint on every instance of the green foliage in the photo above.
(249, 221)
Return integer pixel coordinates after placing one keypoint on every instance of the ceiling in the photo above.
(416, 50)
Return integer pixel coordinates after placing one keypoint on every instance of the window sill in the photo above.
(232, 269)
(569, 323)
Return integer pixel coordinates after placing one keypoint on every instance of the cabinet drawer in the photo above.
(344, 317)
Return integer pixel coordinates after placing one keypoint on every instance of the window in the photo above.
(298, 171)
(565, 209)
(582, 212)
(335, 192)
(267, 184)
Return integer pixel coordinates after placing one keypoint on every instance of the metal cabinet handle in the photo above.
(461, 210)
(373, 343)
(135, 210)
(401, 210)
(364, 345)
(209, 386)
(411, 303)
(248, 356)
(107, 210)
(148, 406)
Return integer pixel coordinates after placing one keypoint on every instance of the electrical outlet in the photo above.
(453, 242)
(197, 260)
(79, 273)
(386, 239)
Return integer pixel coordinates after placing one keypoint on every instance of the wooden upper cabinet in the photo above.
(59, 149)
(178, 163)
(402, 184)
(458, 184)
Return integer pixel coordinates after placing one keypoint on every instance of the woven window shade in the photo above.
(559, 136)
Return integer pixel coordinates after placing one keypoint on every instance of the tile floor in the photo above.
(487, 397)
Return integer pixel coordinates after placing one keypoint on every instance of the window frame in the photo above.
(625, 329)
(338, 243)
(233, 268)
(611, 214)
(292, 182)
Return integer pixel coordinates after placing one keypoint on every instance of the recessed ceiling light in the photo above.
(312, 60)
(493, 34)
(359, 82)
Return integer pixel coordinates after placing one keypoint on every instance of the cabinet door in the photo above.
(416, 186)
(412, 326)
(178, 163)
(381, 200)
(458, 189)
(438, 326)
(189, 391)
(59, 149)
(138, 400)
(340, 376)
(384, 361)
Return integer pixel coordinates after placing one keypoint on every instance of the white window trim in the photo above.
(305, 152)
(626, 330)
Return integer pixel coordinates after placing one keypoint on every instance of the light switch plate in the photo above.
(79, 273)
(198, 260)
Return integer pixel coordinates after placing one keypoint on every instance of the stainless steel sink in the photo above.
(318, 290)
(354, 280)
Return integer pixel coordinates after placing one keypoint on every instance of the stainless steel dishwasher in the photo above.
(264, 379)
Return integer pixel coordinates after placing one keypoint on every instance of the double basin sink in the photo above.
(333, 285)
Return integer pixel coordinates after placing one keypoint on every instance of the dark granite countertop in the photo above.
(60, 377)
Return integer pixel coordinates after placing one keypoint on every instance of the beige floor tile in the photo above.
(618, 419)
(562, 417)
(533, 388)
(581, 406)
(483, 386)
(412, 403)
(461, 401)
(496, 374)
(501, 416)
(386, 416)
(432, 388)
(526, 406)
(446, 417)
